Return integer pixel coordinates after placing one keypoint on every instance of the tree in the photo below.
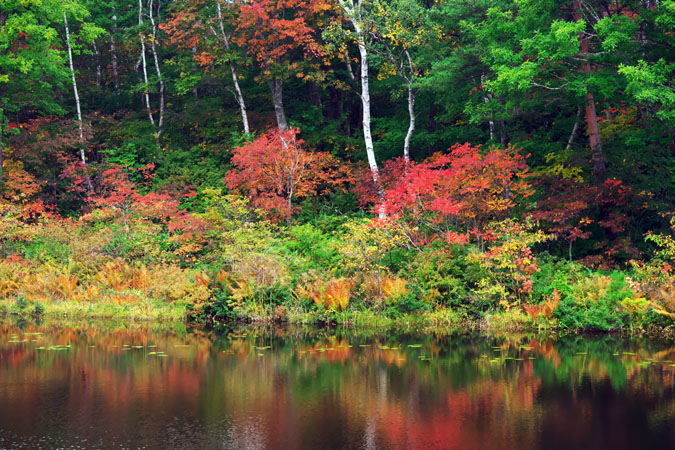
(401, 30)
(278, 36)
(155, 56)
(564, 53)
(275, 169)
(88, 33)
(357, 15)
(31, 62)
(194, 27)
(455, 196)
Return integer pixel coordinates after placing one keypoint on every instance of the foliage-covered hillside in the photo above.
(297, 159)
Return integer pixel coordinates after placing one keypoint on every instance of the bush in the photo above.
(595, 304)
(332, 295)
(446, 277)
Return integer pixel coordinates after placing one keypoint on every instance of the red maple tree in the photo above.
(274, 169)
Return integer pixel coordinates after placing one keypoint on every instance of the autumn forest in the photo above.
(503, 164)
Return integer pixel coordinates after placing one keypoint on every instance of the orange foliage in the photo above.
(275, 168)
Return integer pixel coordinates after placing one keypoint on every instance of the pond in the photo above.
(111, 385)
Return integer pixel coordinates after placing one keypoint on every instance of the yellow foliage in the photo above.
(9, 279)
(242, 290)
(333, 295)
(592, 289)
(393, 289)
(66, 285)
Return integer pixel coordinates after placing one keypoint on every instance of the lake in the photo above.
(112, 385)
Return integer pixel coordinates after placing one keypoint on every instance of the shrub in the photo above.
(332, 295)
(509, 264)
(595, 304)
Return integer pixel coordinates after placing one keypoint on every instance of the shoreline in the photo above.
(443, 321)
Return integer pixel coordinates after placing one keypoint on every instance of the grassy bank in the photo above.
(440, 322)
(146, 311)
(230, 265)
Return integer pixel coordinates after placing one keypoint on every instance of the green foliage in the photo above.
(595, 304)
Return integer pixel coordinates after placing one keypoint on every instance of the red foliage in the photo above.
(274, 169)
(391, 173)
(455, 195)
(271, 30)
(574, 211)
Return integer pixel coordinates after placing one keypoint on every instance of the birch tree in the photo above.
(160, 79)
(225, 39)
(356, 14)
(400, 30)
(75, 92)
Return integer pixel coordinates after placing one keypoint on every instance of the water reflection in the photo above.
(108, 385)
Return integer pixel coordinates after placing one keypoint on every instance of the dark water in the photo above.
(109, 385)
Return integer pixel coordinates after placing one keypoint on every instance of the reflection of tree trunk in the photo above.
(597, 158)
(276, 86)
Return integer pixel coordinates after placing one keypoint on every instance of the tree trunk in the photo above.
(153, 48)
(367, 136)
(597, 157)
(573, 134)
(98, 65)
(77, 96)
(411, 126)
(113, 52)
(144, 64)
(314, 94)
(276, 86)
(194, 54)
(486, 99)
(411, 107)
(233, 71)
(432, 127)
(354, 16)
(1, 125)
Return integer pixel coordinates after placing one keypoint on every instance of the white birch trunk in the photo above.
(367, 135)
(233, 71)
(77, 96)
(355, 18)
(98, 65)
(144, 64)
(153, 48)
(411, 125)
(486, 99)
(113, 52)
(411, 108)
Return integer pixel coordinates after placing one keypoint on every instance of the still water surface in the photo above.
(107, 385)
